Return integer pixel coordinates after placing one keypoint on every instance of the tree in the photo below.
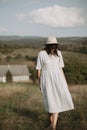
(8, 76)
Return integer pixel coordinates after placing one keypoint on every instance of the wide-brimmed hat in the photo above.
(51, 40)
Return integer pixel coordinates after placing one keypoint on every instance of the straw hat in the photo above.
(51, 40)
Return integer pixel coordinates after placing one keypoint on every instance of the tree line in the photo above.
(67, 45)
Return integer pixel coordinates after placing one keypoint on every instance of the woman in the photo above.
(52, 81)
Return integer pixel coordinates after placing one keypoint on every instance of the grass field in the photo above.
(21, 108)
(17, 56)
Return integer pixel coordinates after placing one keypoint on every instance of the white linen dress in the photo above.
(54, 88)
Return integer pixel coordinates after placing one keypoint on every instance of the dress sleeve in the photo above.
(61, 62)
(38, 63)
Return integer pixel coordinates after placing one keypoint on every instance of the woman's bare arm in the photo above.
(38, 75)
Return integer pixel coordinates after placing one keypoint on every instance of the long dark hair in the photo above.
(48, 48)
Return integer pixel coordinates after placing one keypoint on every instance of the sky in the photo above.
(61, 18)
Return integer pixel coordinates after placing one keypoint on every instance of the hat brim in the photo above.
(51, 43)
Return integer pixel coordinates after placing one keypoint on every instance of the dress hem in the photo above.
(60, 110)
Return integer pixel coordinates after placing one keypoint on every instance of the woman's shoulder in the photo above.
(59, 52)
(41, 53)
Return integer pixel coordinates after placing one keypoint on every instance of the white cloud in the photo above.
(3, 29)
(21, 16)
(55, 16)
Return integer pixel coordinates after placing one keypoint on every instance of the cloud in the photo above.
(21, 16)
(55, 16)
(3, 30)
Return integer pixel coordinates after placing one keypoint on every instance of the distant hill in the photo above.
(72, 39)
(8, 38)
(35, 41)
(14, 37)
(32, 41)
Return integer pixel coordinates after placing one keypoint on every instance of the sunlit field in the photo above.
(21, 108)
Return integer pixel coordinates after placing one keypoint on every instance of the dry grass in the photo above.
(79, 91)
(26, 51)
(21, 51)
(21, 108)
(7, 92)
(32, 52)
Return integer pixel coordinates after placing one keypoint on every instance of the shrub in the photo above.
(30, 58)
(8, 76)
(8, 58)
(75, 72)
(6, 51)
(33, 76)
(18, 56)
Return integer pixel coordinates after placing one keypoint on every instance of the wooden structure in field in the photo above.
(14, 73)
